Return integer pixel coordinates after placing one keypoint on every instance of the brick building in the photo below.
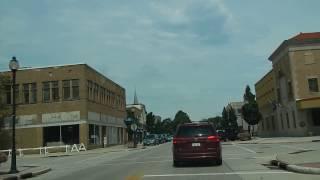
(67, 104)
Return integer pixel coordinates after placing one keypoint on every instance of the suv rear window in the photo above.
(195, 131)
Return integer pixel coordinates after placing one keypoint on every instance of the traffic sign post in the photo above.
(134, 128)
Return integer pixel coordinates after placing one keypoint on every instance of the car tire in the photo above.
(176, 163)
(219, 162)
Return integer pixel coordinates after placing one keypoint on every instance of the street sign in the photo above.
(128, 121)
(134, 127)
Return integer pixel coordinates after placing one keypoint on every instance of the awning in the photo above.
(308, 103)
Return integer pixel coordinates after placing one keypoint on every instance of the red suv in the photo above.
(196, 142)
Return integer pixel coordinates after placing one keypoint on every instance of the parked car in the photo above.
(3, 158)
(222, 135)
(244, 136)
(150, 139)
(163, 138)
(196, 142)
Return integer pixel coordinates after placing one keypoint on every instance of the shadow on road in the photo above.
(196, 164)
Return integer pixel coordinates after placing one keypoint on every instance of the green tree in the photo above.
(248, 95)
(5, 142)
(229, 122)
(232, 120)
(157, 128)
(150, 122)
(225, 119)
(180, 118)
(250, 110)
(216, 121)
(167, 126)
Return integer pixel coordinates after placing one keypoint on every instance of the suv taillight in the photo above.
(213, 139)
(178, 140)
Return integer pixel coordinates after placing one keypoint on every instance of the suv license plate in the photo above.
(195, 144)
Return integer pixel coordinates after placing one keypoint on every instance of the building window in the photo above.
(288, 120)
(316, 116)
(294, 119)
(313, 85)
(108, 96)
(281, 118)
(46, 91)
(71, 89)
(8, 94)
(113, 98)
(90, 89)
(55, 90)
(75, 89)
(26, 94)
(95, 91)
(66, 90)
(94, 134)
(91, 134)
(33, 93)
(103, 95)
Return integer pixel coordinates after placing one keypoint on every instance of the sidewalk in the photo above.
(116, 148)
(24, 172)
(31, 171)
(305, 161)
(278, 140)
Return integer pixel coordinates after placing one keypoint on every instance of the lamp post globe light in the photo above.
(14, 66)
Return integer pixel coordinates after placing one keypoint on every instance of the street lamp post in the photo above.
(14, 66)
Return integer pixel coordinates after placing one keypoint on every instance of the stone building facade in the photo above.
(293, 87)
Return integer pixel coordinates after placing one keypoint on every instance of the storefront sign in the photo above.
(61, 117)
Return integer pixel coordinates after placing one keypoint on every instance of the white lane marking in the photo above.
(248, 158)
(243, 154)
(170, 160)
(218, 174)
(244, 148)
(294, 147)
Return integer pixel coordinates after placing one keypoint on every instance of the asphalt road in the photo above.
(240, 161)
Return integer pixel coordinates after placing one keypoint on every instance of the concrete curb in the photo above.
(295, 168)
(42, 171)
(13, 177)
(303, 170)
(26, 175)
(277, 142)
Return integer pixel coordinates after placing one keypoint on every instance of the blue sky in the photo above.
(190, 55)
